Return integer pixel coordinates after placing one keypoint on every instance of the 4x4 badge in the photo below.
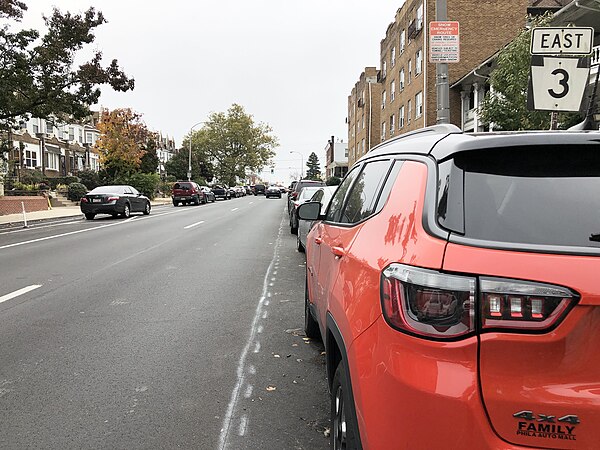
(547, 426)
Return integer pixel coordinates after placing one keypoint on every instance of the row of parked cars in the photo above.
(453, 280)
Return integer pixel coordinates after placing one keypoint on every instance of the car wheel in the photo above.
(299, 245)
(311, 327)
(126, 211)
(344, 430)
(214, 199)
(147, 208)
(196, 201)
(293, 224)
(175, 203)
(90, 216)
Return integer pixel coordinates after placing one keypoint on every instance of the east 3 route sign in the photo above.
(557, 83)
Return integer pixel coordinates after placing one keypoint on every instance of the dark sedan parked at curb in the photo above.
(209, 195)
(114, 200)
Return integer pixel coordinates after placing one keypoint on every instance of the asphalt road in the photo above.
(182, 329)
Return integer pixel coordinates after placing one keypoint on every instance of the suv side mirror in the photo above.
(309, 211)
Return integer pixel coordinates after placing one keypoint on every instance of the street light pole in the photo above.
(189, 174)
(301, 162)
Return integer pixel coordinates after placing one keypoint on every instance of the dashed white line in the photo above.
(257, 347)
(260, 329)
(248, 392)
(18, 292)
(243, 425)
(265, 314)
(193, 225)
(234, 209)
(267, 303)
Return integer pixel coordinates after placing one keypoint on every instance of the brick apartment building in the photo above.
(406, 80)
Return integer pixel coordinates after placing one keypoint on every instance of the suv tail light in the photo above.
(83, 200)
(294, 195)
(443, 306)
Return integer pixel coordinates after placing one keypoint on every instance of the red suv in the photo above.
(453, 280)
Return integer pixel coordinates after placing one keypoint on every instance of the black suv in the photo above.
(259, 189)
(297, 188)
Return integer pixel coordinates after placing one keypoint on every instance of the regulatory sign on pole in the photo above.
(562, 41)
(557, 84)
(444, 42)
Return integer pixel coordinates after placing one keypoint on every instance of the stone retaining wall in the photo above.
(12, 205)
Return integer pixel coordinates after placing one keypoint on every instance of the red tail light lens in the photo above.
(443, 306)
(112, 199)
(522, 305)
(294, 195)
(428, 303)
(83, 200)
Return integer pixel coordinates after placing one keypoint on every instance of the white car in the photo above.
(322, 195)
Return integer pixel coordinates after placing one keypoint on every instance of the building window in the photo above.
(31, 159)
(363, 146)
(419, 104)
(393, 56)
(401, 79)
(402, 41)
(383, 99)
(409, 71)
(383, 124)
(409, 112)
(401, 117)
(392, 124)
(52, 161)
(384, 68)
(346, 152)
(36, 129)
(418, 62)
(49, 127)
(88, 138)
(392, 90)
(420, 16)
(363, 122)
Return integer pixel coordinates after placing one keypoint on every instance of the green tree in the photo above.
(333, 181)
(149, 160)
(313, 171)
(177, 166)
(232, 144)
(506, 105)
(38, 75)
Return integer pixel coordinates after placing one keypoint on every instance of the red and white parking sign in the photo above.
(444, 42)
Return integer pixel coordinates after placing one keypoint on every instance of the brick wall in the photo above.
(12, 205)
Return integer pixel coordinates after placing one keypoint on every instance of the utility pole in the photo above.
(441, 73)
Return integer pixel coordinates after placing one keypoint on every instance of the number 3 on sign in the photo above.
(558, 84)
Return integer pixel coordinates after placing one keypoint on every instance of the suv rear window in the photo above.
(184, 186)
(531, 195)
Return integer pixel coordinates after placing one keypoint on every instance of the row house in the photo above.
(54, 148)
(407, 80)
(336, 158)
(165, 150)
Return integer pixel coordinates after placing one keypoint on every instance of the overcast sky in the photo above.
(291, 64)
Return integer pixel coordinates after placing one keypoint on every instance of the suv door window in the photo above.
(365, 191)
(334, 212)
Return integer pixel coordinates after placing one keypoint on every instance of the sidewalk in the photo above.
(58, 212)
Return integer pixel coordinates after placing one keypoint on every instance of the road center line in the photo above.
(193, 225)
(22, 291)
(234, 209)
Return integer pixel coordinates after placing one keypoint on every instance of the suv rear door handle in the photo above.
(338, 251)
(318, 240)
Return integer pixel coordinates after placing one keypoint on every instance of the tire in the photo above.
(126, 211)
(176, 204)
(147, 208)
(196, 201)
(344, 431)
(299, 245)
(293, 224)
(90, 216)
(311, 326)
(214, 199)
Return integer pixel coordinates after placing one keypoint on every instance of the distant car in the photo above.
(187, 192)
(248, 190)
(304, 196)
(298, 186)
(114, 200)
(208, 194)
(323, 196)
(273, 191)
(259, 189)
(282, 189)
(221, 192)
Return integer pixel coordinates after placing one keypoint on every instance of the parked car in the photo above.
(323, 196)
(259, 189)
(208, 194)
(221, 192)
(114, 200)
(248, 190)
(298, 186)
(305, 195)
(273, 191)
(454, 281)
(187, 192)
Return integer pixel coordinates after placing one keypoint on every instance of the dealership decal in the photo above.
(547, 426)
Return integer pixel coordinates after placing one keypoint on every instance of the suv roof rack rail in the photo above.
(443, 128)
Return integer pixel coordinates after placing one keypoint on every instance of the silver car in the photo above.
(322, 195)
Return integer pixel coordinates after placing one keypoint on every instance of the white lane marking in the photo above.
(227, 421)
(248, 392)
(260, 329)
(267, 303)
(269, 295)
(193, 225)
(21, 291)
(265, 314)
(243, 425)
(21, 230)
(257, 347)
(234, 209)
(250, 203)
